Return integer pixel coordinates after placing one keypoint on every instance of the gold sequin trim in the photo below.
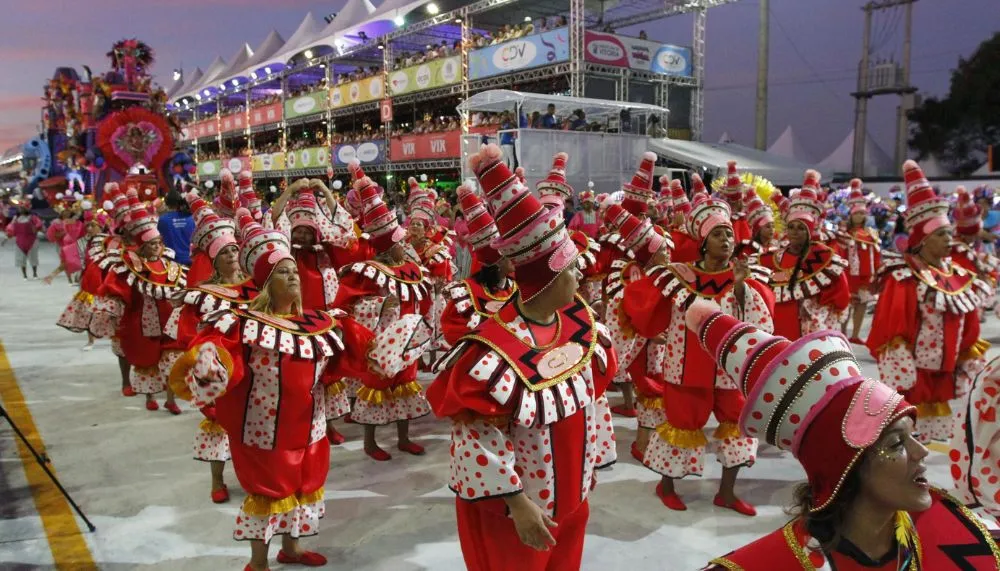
(687, 439)
(263, 506)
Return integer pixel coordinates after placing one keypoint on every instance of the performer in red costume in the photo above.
(136, 304)
(228, 287)
(425, 236)
(733, 192)
(810, 288)
(761, 221)
(521, 392)
(637, 358)
(226, 202)
(686, 247)
(925, 331)
(966, 251)
(975, 447)
(693, 387)
(489, 286)
(860, 247)
(241, 360)
(867, 503)
(586, 219)
(80, 310)
(391, 295)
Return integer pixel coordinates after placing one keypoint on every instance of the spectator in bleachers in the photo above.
(549, 120)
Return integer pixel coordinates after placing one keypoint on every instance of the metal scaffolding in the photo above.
(698, 62)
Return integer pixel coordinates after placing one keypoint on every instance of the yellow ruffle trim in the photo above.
(727, 430)
(335, 388)
(147, 371)
(84, 297)
(378, 396)
(895, 342)
(624, 322)
(209, 426)
(177, 379)
(680, 438)
(467, 417)
(932, 409)
(651, 403)
(263, 506)
(976, 351)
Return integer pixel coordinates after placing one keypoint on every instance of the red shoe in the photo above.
(128, 392)
(172, 408)
(636, 453)
(412, 448)
(622, 411)
(307, 558)
(221, 495)
(249, 568)
(335, 438)
(378, 455)
(348, 419)
(856, 341)
(152, 405)
(672, 501)
(739, 506)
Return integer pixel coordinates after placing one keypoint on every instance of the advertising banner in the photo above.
(428, 146)
(309, 158)
(265, 162)
(307, 104)
(371, 152)
(523, 53)
(233, 122)
(209, 169)
(237, 164)
(430, 75)
(633, 53)
(369, 89)
(264, 114)
(203, 128)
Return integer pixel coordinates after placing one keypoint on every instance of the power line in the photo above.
(808, 81)
(795, 48)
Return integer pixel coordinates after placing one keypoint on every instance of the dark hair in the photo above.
(798, 263)
(827, 524)
(489, 276)
(176, 202)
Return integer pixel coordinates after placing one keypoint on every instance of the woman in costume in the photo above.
(241, 360)
(586, 219)
(733, 192)
(860, 246)
(64, 232)
(388, 294)
(225, 202)
(810, 288)
(867, 503)
(521, 392)
(925, 331)
(967, 250)
(228, 287)
(489, 286)
(136, 304)
(78, 313)
(24, 230)
(761, 222)
(693, 387)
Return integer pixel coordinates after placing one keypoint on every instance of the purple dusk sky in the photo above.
(815, 47)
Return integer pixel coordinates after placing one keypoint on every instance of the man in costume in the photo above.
(521, 392)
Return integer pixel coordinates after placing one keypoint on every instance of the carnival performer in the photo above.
(733, 191)
(686, 247)
(24, 228)
(925, 331)
(586, 220)
(64, 232)
(226, 202)
(760, 219)
(388, 294)
(228, 287)
(860, 246)
(135, 304)
(240, 360)
(867, 503)
(521, 391)
(426, 236)
(975, 446)
(78, 313)
(488, 287)
(693, 387)
(967, 251)
(810, 288)
(637, 358)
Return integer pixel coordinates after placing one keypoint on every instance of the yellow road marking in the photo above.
(69, 548)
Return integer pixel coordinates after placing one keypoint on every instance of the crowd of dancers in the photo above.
(688, 304)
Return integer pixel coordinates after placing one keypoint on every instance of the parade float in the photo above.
(103, 128)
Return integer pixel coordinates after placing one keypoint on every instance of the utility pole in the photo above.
(763, 54)
(892, 80)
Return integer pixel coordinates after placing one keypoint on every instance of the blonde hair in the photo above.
(262, 302)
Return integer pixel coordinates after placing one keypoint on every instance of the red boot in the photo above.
(172, 408)
(636, 453)
(672, 501)
(307, 558)
(152, 405)
(249, 568)
(378, 455)
(128, 392)
(739, 506)
(335, 438)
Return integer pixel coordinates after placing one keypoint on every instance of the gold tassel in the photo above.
(209, 426)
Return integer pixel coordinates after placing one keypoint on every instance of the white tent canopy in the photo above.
(713, 159)
(271, 44)
(217, 66)
(725, 137)
(877, 161)
(193, 80)
(303, 36)
(788, 146)
(497, 100)
(984, 170)
(237, 63)
(354, 12)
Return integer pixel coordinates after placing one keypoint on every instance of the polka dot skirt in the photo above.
(302, 521)
(674, 462)
(211, 446)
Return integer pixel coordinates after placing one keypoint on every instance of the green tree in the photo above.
(958, 128)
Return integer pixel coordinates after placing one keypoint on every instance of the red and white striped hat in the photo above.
(212, 233)
(640, 189)
(380, 222)
(482, 228)
(925, 210)
(228, 199)
(856, 200)
(639, 236)
(140, 223)
(679, 199)
(707, 213)
(554, 186)
(805, 206)
(260, 249)
(733, 189)
(420, 202)
(532, 237)
(758, 213)
(968, 221)
(248, 197)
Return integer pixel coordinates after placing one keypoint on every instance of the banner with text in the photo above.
(430, 75)
(264, 114)
(642, 55)
(237, 164)
(368, 153)
(428, 146)
(203, 128)
(309, 158)
(361, 91)
(307, 104)
(209, 169)
(265, 162)
(523, 53)
(233, 122)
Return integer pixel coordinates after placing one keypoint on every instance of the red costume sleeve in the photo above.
(353, 286)
(454, 324)
(352, 362)
(896, 315)
(837, 294)
(647, 311)
(765, 292)
(55, 232)
(455, 394)
(115, 286)
(187, 325)
(970, 337)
